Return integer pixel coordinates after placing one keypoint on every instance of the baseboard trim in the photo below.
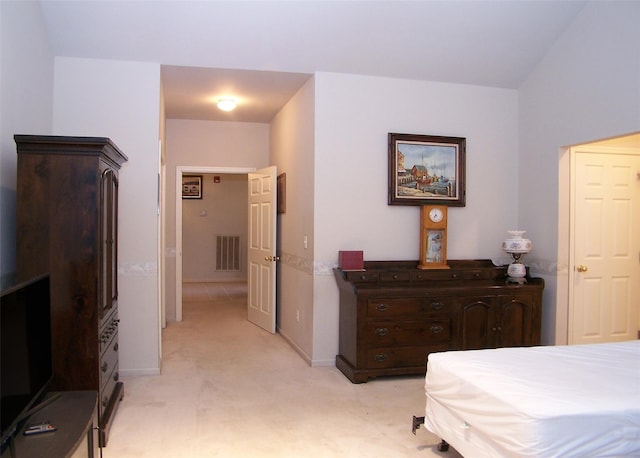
(137, 372)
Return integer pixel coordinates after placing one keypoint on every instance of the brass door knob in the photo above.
(582, 268)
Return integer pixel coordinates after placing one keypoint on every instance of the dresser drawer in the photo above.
(383, 334)
(435, 275)
(452, 274)
(410, 306)
(106, 391)
(357, 276)
(108, 361)
(388, 357)
(108, 333)
(394, 276)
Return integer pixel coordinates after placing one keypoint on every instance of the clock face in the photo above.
(435, 215)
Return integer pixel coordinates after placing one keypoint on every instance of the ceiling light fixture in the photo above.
(226, 104)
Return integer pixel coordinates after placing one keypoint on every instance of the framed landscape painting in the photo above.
(426, 170)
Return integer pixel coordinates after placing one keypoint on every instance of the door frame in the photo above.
(192, 169)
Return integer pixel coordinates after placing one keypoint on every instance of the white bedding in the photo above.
(564, 401)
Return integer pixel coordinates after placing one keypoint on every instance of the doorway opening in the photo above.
(192, 170)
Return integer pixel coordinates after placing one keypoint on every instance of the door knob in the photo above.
(272, 258)
(582, 268)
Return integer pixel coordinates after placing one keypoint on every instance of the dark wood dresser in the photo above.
(392, 314)
(67, 225)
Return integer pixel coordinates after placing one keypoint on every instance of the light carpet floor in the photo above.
(229, 389)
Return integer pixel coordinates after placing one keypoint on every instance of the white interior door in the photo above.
(606, 248)
(261, 297)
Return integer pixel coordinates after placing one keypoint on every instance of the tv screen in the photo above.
(26, 365)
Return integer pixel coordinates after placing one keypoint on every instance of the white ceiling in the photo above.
(263, 51)
(192, 92)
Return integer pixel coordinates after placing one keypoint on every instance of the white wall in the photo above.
(292, 151)
(205, 144)
(26, 106)
(587, 88)
(354, 114)
(121, 100)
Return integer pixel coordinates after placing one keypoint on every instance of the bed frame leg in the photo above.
(417, 421)
(443, 446)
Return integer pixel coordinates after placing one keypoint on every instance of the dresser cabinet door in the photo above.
(516, 321)
(109, 238)
(476, 321)
(496, 321)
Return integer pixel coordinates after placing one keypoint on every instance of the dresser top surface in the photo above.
(407, 273)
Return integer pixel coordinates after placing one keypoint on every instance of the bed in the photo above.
(564, 401)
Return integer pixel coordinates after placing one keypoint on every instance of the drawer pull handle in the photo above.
(395, 277)
(437, 328)
(104, 367)
(363, 277)
(382, 332)
(437, 305)
(381, 358)
(382, 307)
(454, 276)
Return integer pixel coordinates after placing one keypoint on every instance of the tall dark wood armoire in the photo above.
(67, 225)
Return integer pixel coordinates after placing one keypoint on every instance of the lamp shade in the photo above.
(516, 243)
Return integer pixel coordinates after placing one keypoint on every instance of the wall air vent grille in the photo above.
(228, 253)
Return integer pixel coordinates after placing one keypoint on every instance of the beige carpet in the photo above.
(230, 389)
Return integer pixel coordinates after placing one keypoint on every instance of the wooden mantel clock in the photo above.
(433, 237)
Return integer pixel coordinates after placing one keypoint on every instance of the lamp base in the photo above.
(516, 270)
(516, 273)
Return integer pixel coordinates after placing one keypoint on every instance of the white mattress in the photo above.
(565, 401)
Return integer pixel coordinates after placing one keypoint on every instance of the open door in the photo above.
(261, 297)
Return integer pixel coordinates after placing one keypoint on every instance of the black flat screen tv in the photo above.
(26, 362)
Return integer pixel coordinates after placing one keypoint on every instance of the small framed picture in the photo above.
(426, 170)
(281, 183)
(192, 186)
